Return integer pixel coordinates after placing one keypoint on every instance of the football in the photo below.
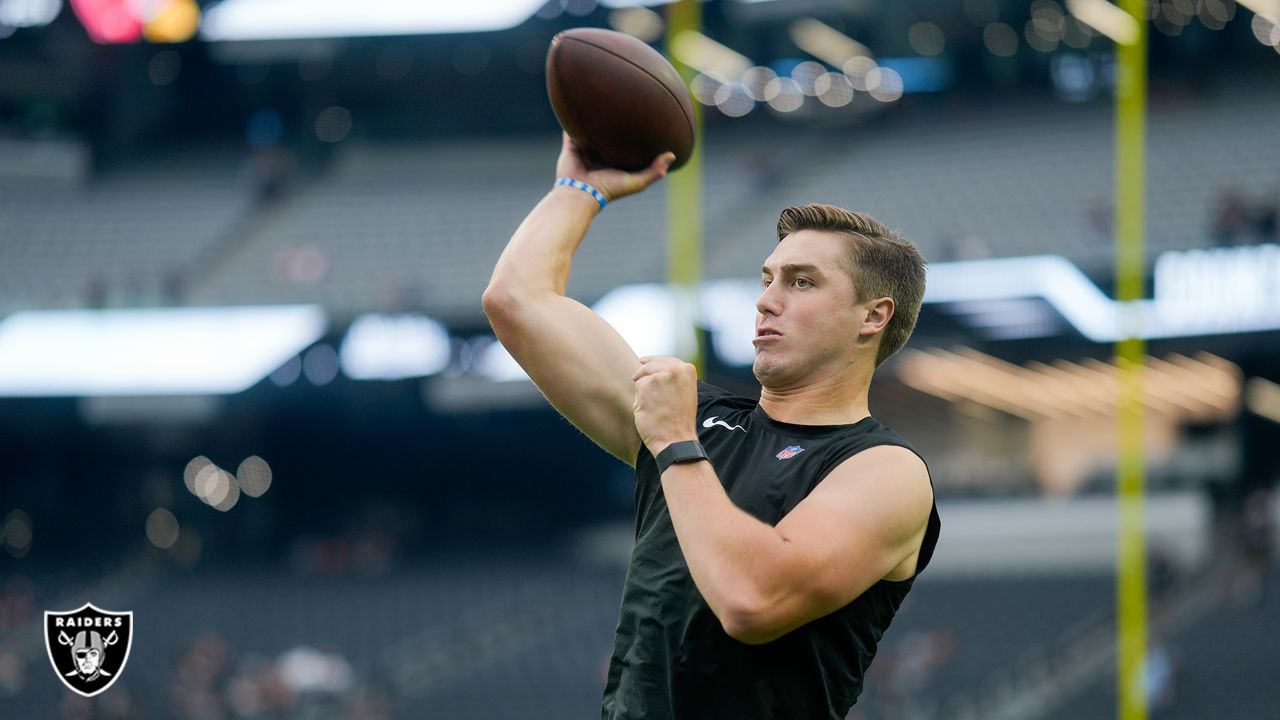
(619, 99)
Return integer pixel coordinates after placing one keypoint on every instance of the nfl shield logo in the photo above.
(789, 452)
(88, 647)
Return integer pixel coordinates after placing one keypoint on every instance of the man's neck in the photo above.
(831, 401)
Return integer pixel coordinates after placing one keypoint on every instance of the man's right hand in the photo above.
(612, 182)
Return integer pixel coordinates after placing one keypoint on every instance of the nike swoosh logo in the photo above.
(713, 421)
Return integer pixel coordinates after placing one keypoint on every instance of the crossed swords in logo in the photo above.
(107, 642)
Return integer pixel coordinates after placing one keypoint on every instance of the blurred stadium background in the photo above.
(249, 393)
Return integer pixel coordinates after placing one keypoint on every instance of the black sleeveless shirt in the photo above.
(672, 658)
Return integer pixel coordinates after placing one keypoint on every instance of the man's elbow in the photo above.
(498, 300)
(751, 623)
(503, 302)
(755, 619)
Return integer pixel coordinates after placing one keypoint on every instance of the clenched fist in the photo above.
(666, 402)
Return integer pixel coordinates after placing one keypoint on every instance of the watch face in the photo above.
(687, 451)
(680, 452)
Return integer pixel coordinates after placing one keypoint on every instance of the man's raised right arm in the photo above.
(578, 360)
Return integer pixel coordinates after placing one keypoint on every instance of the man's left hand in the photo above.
(666, 401)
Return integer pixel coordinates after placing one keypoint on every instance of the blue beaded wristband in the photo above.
(599, 196)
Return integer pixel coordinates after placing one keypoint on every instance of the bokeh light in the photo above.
(890, 86)
(320, 364)
(109, 21)
(162, 528)
(28, 13)
(1215, 14)
(737, 103)
(171, 21)
(834, 89)
(708, 90)
(784, 94)
(1048, 18)
(227, 492)
(638, 22)
(806, 76)
(333, 124)
(1076, 34)
(755, 80)
(254, 476)
(209, 484)
(863, 73)
(17, 531)
(1037, 39)
(288, 373)
(580, 8)
(164, 67)
(926, 38)
(1000, 39)
(1265, 30)
(193, 470)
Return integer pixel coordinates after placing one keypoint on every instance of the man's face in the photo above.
(87, 660)
(806, 320)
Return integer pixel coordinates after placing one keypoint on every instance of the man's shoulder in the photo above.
(713, 394)
(867, 439)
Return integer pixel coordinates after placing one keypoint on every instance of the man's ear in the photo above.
(879, 313)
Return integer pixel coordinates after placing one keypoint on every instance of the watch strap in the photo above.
(680, 452)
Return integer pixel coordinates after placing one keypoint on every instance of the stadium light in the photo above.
(1262, 397)
(1107, 19)
(298, 19)
(710, 57)
(183, 351)
(1203, 388)
(28, 13)
(1270, 9)
(825, 42)
(394, 347)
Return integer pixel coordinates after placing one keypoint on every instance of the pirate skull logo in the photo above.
(88, 647)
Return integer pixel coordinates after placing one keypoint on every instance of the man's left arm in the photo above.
(865, 520)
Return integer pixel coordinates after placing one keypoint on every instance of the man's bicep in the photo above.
(860, 523)
(581, 364)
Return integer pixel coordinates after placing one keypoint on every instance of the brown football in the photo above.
(618, 98)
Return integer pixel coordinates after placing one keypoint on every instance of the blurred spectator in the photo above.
(272, 170)
(198, 675)
(1162, 578)
(209, 684)
(1230, 218)
(173, 286)
(115, 705)
(1257, 534)
(1100, 217)
(908, 667)
(1267, 217)
(95, 292)
(257, 690)
(13, 671)
(17, 601)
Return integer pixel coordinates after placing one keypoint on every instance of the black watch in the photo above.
(680, 452)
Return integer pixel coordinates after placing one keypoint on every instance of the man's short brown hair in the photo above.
(881, 262)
